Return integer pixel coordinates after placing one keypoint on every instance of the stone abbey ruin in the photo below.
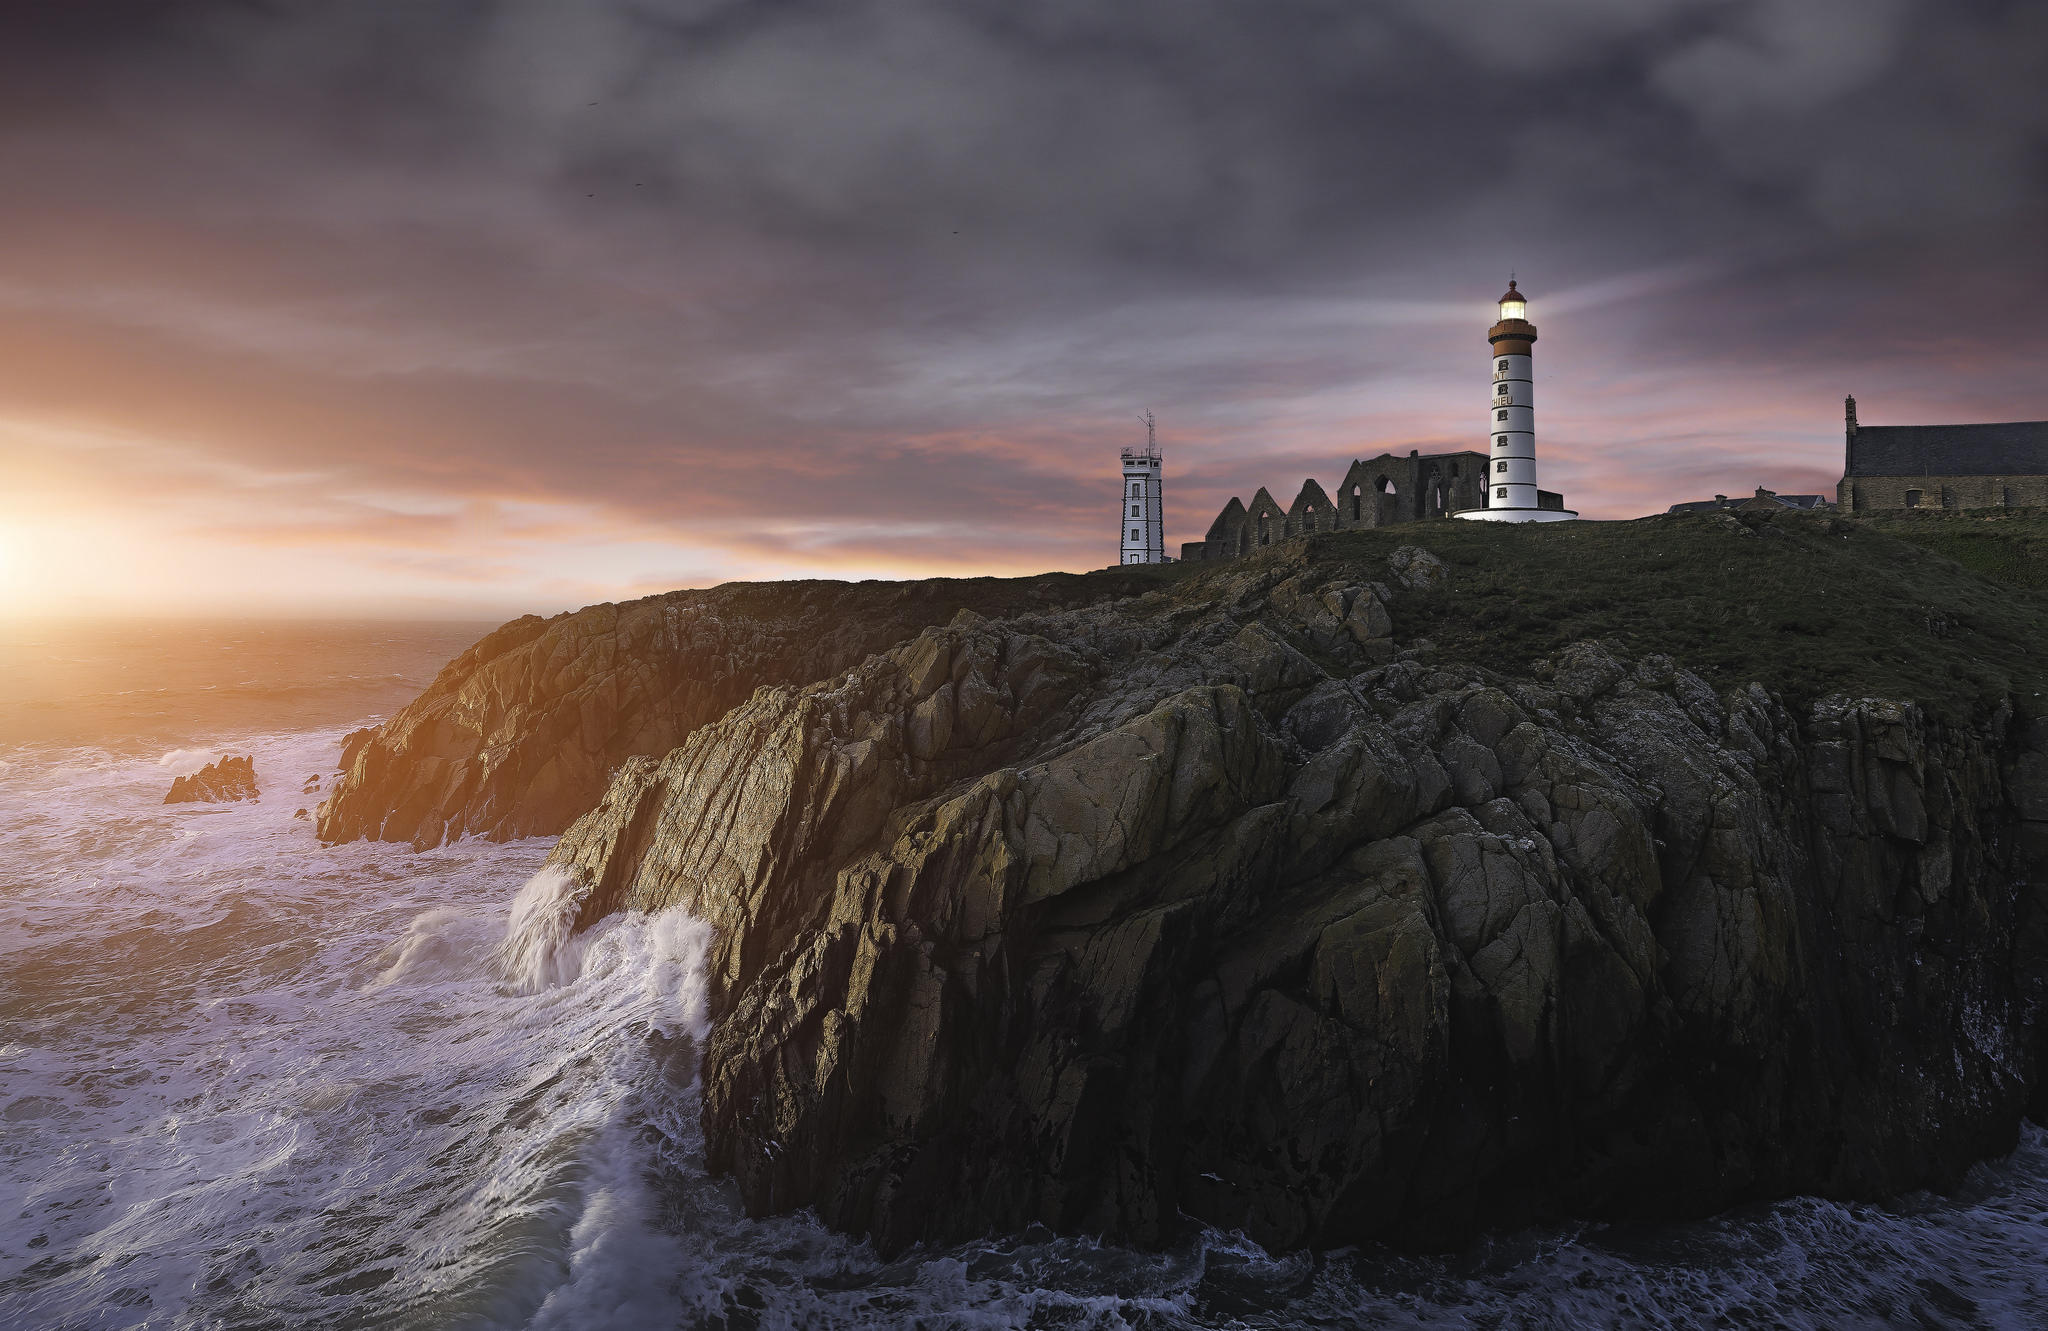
(1375, 492)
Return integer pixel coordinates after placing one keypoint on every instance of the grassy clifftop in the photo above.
(2005, 545)
(518, 736)
(1952, 612)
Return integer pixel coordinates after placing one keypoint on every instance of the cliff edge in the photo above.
(1242, 901)
(518, 735)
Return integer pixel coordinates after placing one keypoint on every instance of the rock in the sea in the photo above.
(518, 735)
(228, 780)
(1207, 908)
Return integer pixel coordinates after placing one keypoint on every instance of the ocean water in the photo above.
(248, 1082)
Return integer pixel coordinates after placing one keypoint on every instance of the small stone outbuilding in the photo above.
(1763, 501)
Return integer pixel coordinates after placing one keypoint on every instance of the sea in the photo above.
(247, 1081)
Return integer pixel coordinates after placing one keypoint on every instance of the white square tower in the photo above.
(1144, 503)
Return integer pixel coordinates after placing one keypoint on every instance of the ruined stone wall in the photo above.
(1375, 492)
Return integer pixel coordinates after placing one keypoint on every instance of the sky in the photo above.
(428, 308)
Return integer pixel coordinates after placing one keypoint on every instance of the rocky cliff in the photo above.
(224, 782)
(1235, 901)
(518, 735)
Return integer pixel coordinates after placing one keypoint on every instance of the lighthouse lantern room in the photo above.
(1511, 493)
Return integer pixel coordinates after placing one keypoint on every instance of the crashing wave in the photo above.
(542, 948)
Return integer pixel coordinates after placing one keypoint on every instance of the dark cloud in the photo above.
(827, 276)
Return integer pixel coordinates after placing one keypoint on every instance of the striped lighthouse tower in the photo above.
(1511, 493)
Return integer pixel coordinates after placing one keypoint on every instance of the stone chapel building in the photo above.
(1889, 467)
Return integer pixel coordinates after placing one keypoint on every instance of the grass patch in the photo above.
(1951, 616)
(2005, 545)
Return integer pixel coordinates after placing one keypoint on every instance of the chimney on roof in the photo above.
(1720, 499)
(1849, 435)
(1762, 493)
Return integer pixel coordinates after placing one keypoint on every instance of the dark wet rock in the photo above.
(1214, 909)
(352, 744)
(222, 782)
(520, 734)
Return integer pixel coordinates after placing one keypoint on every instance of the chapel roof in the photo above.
(2009, 448)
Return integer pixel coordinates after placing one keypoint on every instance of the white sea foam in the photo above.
(622, 1272)
(541, 947)
(260, 1082)
(439, 945)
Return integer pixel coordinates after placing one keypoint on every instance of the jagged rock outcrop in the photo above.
(519, 735)
(1223, 905)
(223, 782)
(352, 744)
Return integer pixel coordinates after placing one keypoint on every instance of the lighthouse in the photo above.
(1511, 493)
(1144, 506)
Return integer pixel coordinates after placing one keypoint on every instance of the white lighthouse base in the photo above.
(1516, 514)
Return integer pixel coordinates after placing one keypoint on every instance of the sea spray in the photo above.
(440, 944)
(541, 948)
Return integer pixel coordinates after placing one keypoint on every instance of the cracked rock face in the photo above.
(521, 734)
(1229, 909)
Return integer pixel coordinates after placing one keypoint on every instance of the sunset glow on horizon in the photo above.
(426, 312)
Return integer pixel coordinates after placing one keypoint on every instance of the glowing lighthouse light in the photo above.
(1511, 493)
